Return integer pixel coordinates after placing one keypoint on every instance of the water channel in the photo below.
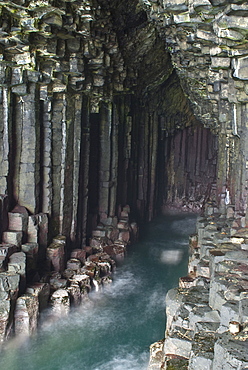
(114, 331)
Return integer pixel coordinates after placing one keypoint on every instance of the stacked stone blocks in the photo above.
(26, 291)
(207, 315)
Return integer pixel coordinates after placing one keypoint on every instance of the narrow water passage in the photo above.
(115, 330)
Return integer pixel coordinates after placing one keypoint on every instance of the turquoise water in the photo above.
(115, 329)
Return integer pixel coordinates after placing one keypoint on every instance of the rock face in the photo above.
(207, 322)
(208, 48)
(109, 103)
(105, 122)
(31, 283)
(139, 103)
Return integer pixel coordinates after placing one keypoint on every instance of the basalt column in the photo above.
(92, 115)
(208, 46)
(105, 133)
(5, 110)
(107, 106)
(25, 176)
(191, 156)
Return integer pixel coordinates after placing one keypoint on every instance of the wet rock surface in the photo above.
(78, 80)
(108, 103)
(65, 282)
(206, 316)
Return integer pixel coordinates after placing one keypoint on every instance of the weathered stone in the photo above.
(3, 213)
(26, 314)
(243, 310)
(88, 250)
(3, 263)
(223, 314)
(123, 225)
(60, 303)
(68, 273)
(177, 346)
(43, 228)
(106, 280)
(229, 312)
(13, 237)
(56, 282)
(135, 231)
(124, 236)
(219, 62)
(91, 269)
(74, 264)
(18, 219)
(9, 282)
(203, 269)
(17, 264)
(60, 239)
(202, 352)
(33, 229)
(75, 293)
(97, 244)
(125, 214)
(187, 282)
(80, 285)
(234, 327)
(216, 293)
(79, 254)
(83, 280)
(175, 361)
(173, 302)
(6, 250)
(31, 251)
(56, 256)
(117, 252)
(42, 291)
(99, 233)
(112, 233)
(156, 355)
(230, 351)
(145, 103)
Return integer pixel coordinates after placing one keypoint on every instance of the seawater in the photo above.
(114, 330)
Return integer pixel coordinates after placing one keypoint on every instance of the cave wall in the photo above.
(105, 104)
(110, 103)
(93, 116)
(207, 41)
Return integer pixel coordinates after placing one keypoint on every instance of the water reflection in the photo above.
(113, 331)
(171, 257)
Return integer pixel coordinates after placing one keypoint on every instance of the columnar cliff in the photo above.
(97, 93)
(112, 111)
